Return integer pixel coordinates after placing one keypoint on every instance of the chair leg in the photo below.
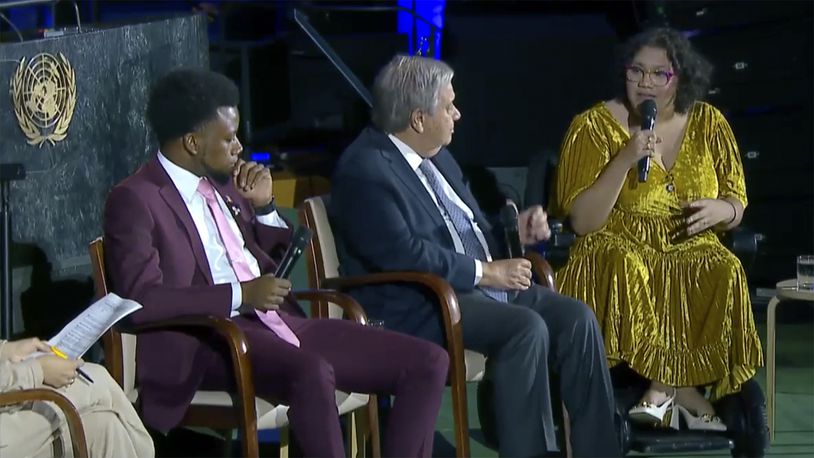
(771, 330)
(284, 432)
(355, 435)
(566, 432)
(249, 445)
(460, 417)
(372, 419)
(363, 431)
(228, 441)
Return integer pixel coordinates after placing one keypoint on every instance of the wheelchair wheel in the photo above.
(744, 414)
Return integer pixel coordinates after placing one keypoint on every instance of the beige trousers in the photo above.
(112, 427)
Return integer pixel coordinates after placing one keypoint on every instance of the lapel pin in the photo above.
(232, 206)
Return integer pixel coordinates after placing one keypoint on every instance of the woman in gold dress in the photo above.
(672, 301)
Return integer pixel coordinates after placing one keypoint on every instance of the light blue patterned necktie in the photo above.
(463, 225)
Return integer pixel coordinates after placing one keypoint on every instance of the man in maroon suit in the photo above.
(195, 231)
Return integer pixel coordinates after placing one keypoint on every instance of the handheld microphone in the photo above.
(647, 110)
(299, 241)
(508, 217)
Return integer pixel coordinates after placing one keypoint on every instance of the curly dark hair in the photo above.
(693, 70)
(184, 99)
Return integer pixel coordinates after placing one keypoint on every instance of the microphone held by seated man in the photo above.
(399, 173)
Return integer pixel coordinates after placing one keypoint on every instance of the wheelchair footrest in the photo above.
(669, 441)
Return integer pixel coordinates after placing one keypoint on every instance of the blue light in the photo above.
(260, 156)
(431, 10)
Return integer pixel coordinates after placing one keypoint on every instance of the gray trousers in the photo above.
(536, 332)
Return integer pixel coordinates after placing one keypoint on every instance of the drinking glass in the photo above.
(805, 272)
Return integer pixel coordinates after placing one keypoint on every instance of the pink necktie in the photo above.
(234, 252)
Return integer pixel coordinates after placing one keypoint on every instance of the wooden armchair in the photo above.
(221, 410)
(80, 448)
(465, 365)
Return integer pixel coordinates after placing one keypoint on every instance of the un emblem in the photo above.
(43, 92)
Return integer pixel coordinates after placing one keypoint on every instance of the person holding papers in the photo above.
(112, 427)
(195, 231)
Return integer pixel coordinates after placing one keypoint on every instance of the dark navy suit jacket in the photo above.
(384, 220)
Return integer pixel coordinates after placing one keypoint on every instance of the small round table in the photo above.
(785, 290)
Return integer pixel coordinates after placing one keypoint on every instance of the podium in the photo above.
(102, 77)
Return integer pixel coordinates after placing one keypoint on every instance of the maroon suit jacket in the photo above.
(155, 256)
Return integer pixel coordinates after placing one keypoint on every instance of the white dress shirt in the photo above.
(222, 272)
(414, 160)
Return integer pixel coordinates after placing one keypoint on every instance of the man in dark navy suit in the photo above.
(399, 203)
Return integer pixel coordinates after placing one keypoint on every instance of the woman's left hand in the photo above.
(705, 213)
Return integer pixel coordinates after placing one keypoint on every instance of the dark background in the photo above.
(523, 70)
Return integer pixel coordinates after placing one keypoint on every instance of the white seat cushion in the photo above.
(270, 416)
(475, 365)
(348, 402)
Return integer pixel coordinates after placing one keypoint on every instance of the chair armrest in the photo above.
(442, 290)
(223, 326)
(557, 248)
(235, 340)
(80, 448)
(743, 241)
(349, 305)
(447, 301)
(226, 328)
(542, 269)
(561, 236)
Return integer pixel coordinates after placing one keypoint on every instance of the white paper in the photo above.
(79, 335)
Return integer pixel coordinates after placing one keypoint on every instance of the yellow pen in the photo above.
(59, 353)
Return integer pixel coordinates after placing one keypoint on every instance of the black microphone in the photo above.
(508, 217)
(299, 241)
(647, 110)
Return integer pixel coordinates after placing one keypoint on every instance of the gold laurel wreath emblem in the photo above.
(62, 76)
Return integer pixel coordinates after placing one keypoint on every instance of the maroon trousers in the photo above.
(338, 354)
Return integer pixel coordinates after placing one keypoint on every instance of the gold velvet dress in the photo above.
(675, 309)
